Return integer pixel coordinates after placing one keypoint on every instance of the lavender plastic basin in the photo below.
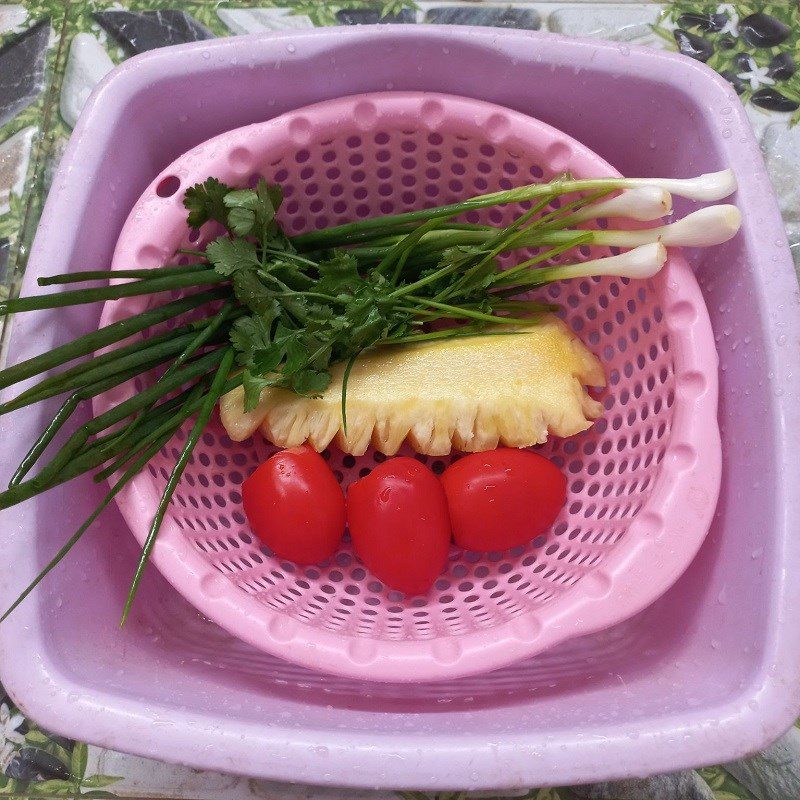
(708, 673)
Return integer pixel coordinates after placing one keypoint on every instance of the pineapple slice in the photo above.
(469, 393)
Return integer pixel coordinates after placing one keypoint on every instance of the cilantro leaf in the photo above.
(296, 355)
(276, 239)
(270, 197)
(338, 274)
(311, 383)
(206, 201)
(367, 321)
(253, 386)
(251, 293)
(241, 221)
(232, 255)
(244, 205)
(266, 360)
(252, 211)
(250, 335)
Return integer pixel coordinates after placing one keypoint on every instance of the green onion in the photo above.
(145, 355)
(110, 274)
(708, 187)
(170, 424)
(199, 340)
(133, 289)
(119, 412)
(102, 337)
(67, 409)
(210, 401)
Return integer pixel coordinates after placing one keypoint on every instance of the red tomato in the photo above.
(295, 506)
(399, 524)
(502, 498)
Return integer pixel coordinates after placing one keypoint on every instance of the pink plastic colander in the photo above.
(643, 481)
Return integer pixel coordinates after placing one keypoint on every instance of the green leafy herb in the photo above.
(232, 255)
(206, 202)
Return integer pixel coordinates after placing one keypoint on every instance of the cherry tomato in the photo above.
(502, 498)
(295, 506)
(399, 524)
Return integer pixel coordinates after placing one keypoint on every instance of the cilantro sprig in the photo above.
(307, 312)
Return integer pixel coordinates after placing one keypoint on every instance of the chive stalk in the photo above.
(132, 289)
(112, 274)
(69, 406)
(209, 402)
(102, 337)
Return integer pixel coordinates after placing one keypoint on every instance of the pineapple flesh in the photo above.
(471, 393)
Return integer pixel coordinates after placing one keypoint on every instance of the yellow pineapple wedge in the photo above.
(471, 393)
